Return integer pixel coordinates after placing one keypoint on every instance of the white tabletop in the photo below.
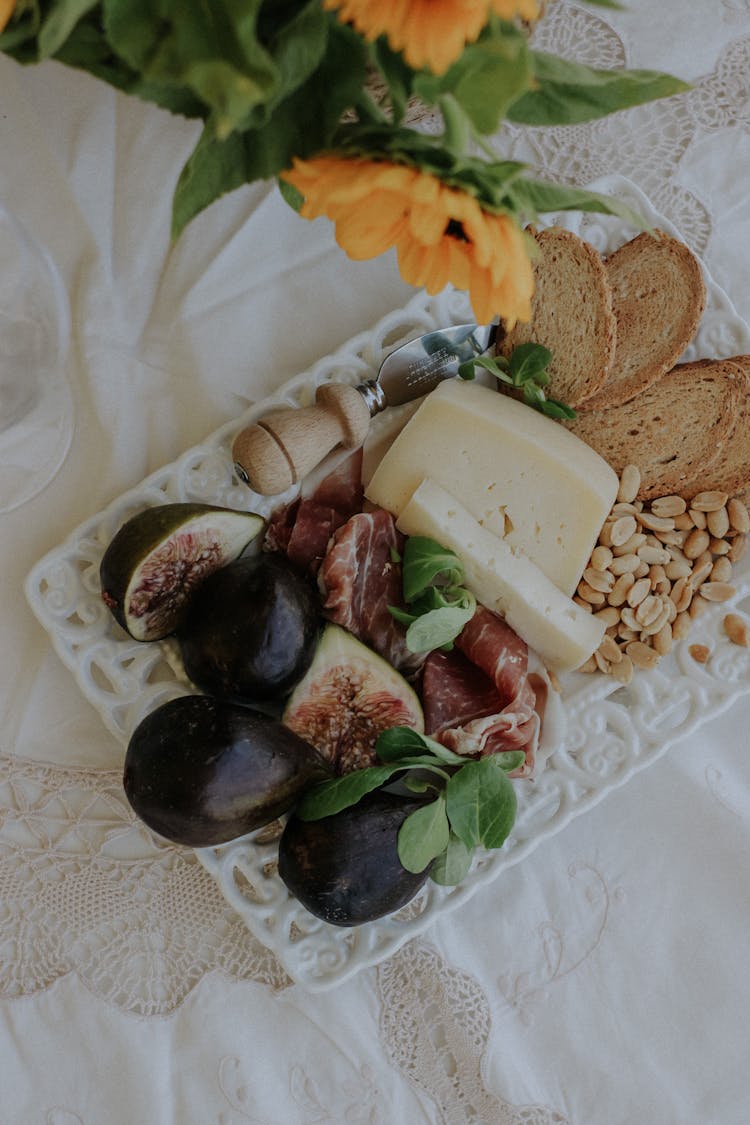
(602, 980)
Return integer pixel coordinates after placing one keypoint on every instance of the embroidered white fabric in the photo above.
(89, 901)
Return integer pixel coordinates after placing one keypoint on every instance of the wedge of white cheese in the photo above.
(522, 476)
(563, 634)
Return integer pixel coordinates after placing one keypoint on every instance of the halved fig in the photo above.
(161, 555)
(347, 697)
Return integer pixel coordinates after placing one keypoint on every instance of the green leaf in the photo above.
(231, 94)
(396, 743)
(569, 93)
(330, 797)
(529, 362)
(301, 124)
(423, 835)
(339, 793)
(291, 195)
(481, 804)
(554, 409)
(533, 395)
(535, 197)
(490, 76)
(606, 4)
(298, 49)
(438, 627)
(438, 597)
(496, 365)
(453, 864)
(417, 784)
(401, 615)
(133, 30)
(509, 760)
(424, 561)
(213, 168)
(60, 22)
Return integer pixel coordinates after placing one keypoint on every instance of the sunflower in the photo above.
(430, 33)
(441, 233)
(6, 11)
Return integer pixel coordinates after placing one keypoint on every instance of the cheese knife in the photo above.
(282, 447)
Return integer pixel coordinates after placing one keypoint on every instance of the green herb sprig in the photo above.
(438, 604)
(473, 802)
(526, 369)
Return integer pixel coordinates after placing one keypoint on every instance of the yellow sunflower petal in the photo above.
(6, 11)
(369, 233)
(440, 232)
(430, 33)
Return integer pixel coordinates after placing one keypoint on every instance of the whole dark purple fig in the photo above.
(251, 629)
(345, 868)
(200, 771)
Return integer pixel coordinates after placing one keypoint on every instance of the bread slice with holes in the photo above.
(677, 431)
(658, 297)
(571, 314)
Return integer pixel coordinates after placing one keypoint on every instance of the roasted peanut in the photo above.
(630, 482)
(709, 501)
(739, 518)
(668, 506)
(736, 629)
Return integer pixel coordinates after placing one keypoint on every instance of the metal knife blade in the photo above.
(418, 366)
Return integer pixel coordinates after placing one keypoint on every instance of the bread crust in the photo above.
(658, 298)
(571, 314)
(676, 431)
(731, 472)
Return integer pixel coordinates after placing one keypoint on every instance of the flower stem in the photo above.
(367, 109)
(456, 131)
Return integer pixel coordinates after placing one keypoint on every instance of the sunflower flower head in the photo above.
(441, 233)
(429, 33)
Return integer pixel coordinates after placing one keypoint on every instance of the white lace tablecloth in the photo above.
(603, 980)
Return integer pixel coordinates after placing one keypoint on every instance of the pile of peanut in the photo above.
(656, 567)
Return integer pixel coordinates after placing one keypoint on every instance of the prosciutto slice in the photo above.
(360, 577)
(478, 698)
(302, 529)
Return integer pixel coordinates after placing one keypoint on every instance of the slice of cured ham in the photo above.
(478, 698)
(360, 577)
(302, 529)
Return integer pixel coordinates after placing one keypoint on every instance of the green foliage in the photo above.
(525, 370)
(472, 803)
(438, 606)
(275, 79)
(567, 93)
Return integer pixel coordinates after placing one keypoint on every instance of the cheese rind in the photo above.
(522, 476)
(563, 634)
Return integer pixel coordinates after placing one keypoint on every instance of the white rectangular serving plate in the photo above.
(608, 732)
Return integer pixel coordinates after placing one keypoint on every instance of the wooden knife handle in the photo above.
(281, 448)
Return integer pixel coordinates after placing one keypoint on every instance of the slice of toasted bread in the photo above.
(658, 297)
(571, 314)
(675, 431)
(730, 473)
